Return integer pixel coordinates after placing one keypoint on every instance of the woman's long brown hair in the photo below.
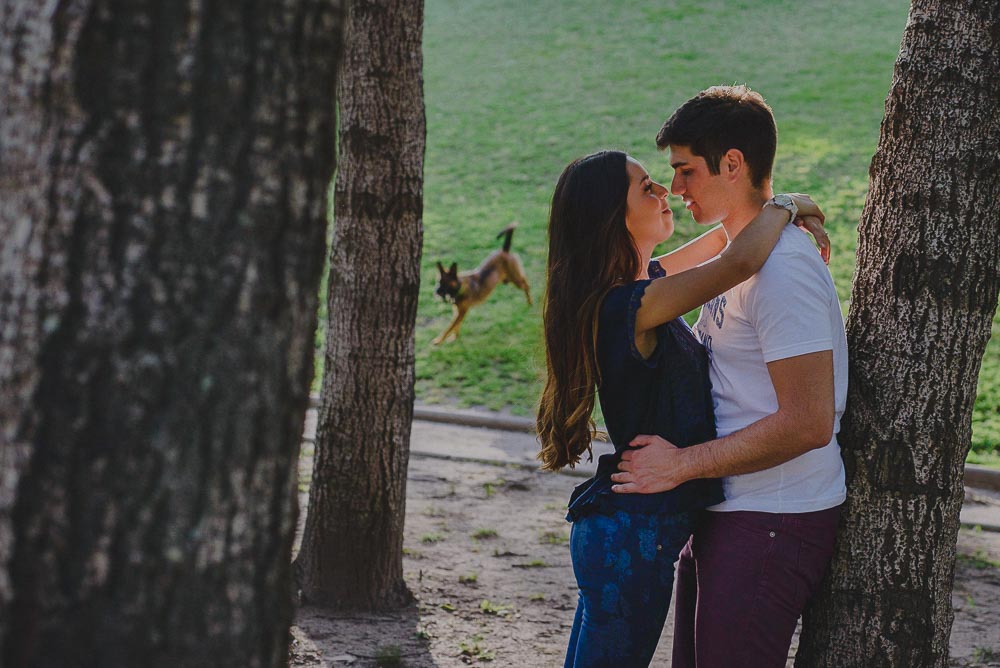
(590, 252)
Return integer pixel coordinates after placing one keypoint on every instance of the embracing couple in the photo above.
(726, 459)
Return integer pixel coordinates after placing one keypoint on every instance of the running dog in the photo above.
(469, 288)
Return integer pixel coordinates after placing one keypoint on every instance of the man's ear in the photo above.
(733, 164)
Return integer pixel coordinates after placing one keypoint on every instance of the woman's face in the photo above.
(647, 215)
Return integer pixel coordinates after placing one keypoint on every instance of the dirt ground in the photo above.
(486, 557)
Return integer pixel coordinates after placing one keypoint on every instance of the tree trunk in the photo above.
(924, 296)
(351, 555)
(163, 177)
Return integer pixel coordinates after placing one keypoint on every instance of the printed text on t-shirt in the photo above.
(715, 311)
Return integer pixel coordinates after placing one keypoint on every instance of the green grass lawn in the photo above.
(515, 90)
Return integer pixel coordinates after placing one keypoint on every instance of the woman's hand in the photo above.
(814, 226)
(807, 207)
(811, 219)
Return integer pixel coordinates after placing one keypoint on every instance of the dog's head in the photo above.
(448, 283)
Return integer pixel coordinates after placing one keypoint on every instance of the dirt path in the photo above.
(487, 559)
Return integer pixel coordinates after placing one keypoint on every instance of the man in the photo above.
(779, 385)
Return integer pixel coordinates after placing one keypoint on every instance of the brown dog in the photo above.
(469, 288)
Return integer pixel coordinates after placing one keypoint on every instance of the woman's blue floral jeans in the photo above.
(624, 567)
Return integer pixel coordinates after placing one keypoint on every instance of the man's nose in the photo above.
(675, 185)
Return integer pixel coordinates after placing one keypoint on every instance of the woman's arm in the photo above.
(703, 248)
(697, 251)
(673, 296)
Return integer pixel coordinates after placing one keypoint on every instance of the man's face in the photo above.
(706, 195)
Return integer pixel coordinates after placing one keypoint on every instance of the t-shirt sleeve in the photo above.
(656, 269)
(789, 307)
(617, 324)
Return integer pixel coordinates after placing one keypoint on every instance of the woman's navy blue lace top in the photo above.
(668, 394)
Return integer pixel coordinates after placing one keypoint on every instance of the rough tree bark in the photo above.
(351, 555)
(928, 275)
(163, 177)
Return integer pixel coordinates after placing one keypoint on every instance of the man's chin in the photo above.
(697, 217)
(702, 219)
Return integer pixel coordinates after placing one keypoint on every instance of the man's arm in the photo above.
(804, 421)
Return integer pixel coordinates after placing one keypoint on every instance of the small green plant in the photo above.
(389, 656)
(506, 553)
(434, 511)
(431, 538)
(534, 563)
(412, 554)
(491, 608)
(491, 487)
(536, 597)
(474, 649)
(979, 559)
(484, 534)
(561, 507)
(555, 538)
(470, 578)
(984, 655)
(422, 634)
(448, 607)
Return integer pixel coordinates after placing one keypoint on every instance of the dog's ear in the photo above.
(454, 269)
(441, 269)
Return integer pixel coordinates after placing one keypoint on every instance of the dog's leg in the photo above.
(439, 339)
(519, 278)
(522, 283)
(456, 321)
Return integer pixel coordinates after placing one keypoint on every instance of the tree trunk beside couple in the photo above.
(163, 177)
(352, 548)
(922, 305)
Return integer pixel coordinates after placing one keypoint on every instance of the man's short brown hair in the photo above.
(721, 118)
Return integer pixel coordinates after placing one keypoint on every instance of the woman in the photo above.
(612, 321)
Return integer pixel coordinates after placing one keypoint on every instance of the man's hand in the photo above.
(654, 467)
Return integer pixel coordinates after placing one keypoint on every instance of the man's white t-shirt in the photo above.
(789, 308)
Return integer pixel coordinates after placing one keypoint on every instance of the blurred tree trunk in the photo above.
(928, 276)
(163, 178)
(351, 555)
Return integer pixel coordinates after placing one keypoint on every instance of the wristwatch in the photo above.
(784, 202)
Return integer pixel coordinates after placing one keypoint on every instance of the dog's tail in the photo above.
(509, 231)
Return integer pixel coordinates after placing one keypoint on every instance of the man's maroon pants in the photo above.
(743, 580)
